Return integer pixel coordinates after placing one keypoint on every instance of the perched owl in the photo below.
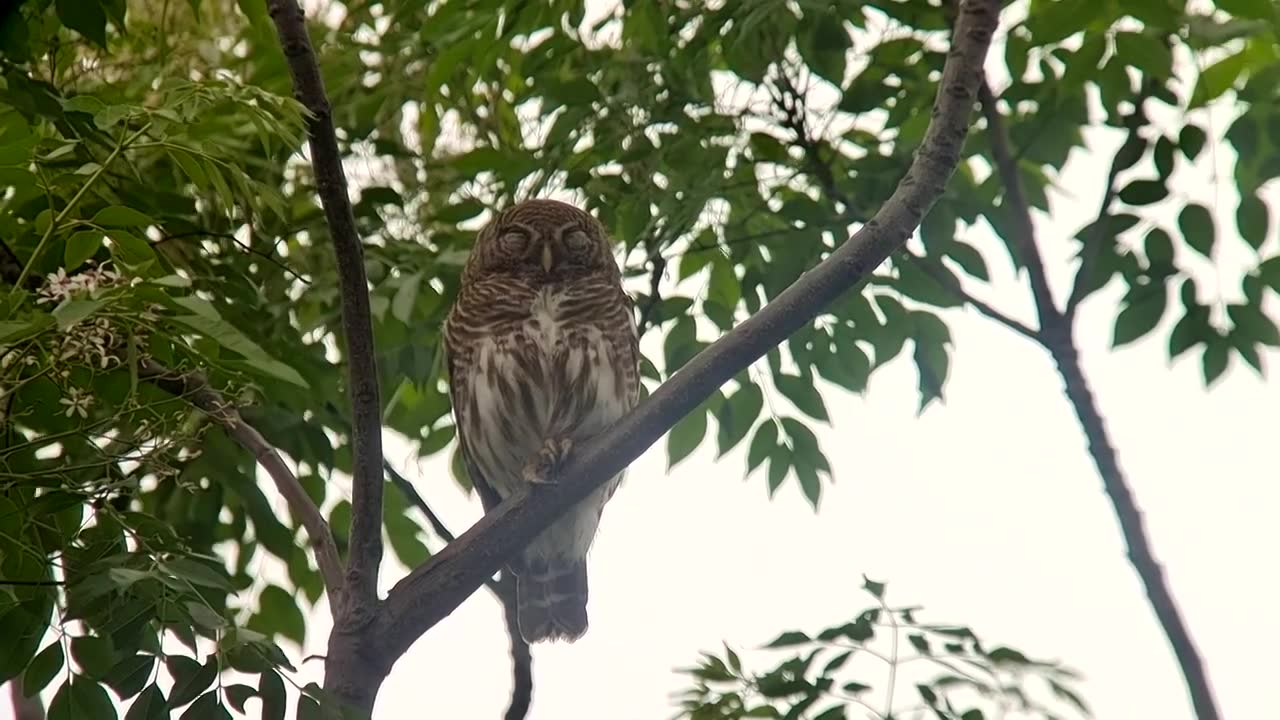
(542, 353)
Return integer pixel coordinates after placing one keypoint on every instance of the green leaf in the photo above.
(197, 573)
(1158, 247)
(121, 216)
(87, 18)
(737, 416)
(810, 483)
(42, 669)
(803, 393)
(130, 675)
(1191, 141)
(95, 655)
(1139, 315)
(149, 705)
(228, 336)
(129, 248)
(1252, 220)
(969, 260)
(1252, 325)
(789, 639)
(779, 464)
(762, 444)
(1143, 192)
(1144, 52)
(1218, 78)
(80, 247)
(405, 297)
(206, 707)
(686, 436)
(875, 588)
(1196, 224)
(280, 613)
(82, 698)
(72, 310)
(271, 690)
(1164, 157)
(238, 694)
(1214, 360)
(190, 678)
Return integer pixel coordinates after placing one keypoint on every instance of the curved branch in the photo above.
(949, 282)
(365, 553)
(431, 592)
(194, 387)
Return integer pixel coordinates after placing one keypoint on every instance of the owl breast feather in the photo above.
(549, 375)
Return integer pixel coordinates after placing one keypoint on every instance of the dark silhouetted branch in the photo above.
(949, 282)
(1057, 336)
(1015, 203)
(431, 592)
(194, 387)
(502, 588)
(365, 553)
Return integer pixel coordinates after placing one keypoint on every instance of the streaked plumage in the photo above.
(542, 349)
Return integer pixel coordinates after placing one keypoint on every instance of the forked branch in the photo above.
(365, 554)
(194, 387)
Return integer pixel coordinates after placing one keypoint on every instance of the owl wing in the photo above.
(458, 365)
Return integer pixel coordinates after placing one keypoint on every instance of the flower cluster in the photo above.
(91, 341)
(59, 286)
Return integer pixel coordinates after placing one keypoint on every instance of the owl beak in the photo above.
(547, 259)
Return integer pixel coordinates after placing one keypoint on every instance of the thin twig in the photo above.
(431, 592)
(503, 588)
(365, 553)
(248, 248)
(194, 386)
(657, 266)
(949, 282)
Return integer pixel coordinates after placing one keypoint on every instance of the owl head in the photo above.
(542, 240)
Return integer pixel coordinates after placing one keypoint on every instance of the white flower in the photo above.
(77, 403)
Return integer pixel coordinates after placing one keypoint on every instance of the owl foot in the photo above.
(542, 468)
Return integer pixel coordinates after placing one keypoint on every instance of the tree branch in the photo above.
(433, 590)
(949, 282)
(1019, 209)
(503, 589)
(1141, 556)
(193, 386)
(365, 555)
(1057, 336)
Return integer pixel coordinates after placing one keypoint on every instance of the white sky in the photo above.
(986, 510)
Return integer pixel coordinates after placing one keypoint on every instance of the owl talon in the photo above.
(541, 470)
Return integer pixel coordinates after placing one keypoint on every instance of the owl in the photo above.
(542, 353)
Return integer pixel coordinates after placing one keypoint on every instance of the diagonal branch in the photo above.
(1057, 336)
(365, 554)
(194, 386)
(503, 588)
(433, 590)
(949, 282)
(1018, 208)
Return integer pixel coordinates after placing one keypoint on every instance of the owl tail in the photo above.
(552, 604)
